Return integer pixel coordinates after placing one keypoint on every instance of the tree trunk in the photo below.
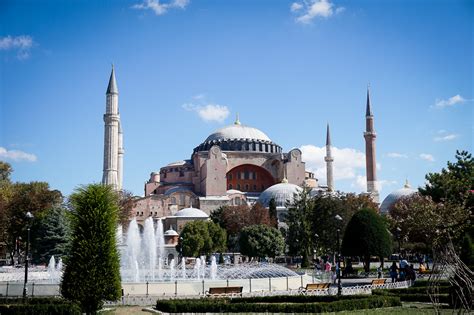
(381, 261)
(367, 263)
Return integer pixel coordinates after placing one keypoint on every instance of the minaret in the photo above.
(111, 134)
(370, 162)
(329, 159)
(121, 151)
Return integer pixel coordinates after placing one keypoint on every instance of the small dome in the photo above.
(238, 131)
(171, 232)
(282, 193)
(191, 213)
(395, 196)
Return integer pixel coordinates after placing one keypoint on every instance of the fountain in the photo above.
(213, 271)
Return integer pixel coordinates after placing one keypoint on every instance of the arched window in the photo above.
(238, 186)
(230, 187)
(246, 187)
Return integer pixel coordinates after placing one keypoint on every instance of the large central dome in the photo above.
(238, 137)
(238, 131)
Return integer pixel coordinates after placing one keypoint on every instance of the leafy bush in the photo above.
(223, 306)
(295, 298)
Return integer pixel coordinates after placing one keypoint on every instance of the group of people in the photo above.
(402, 273)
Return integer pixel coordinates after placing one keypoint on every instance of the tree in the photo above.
(202, 237)
(92, 272)
(34, 197)
(51, 235)
(454, 183)
(126, 204)
(324, 224)
(299, 238)
(272, 211)
(5, 171)
(366, 235)
(418, 219)
(261, 241)
(234, 218)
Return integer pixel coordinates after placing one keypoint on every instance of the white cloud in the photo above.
(308, 10)
(346, 161)
(209, 112)
(396, 155)
(161, 8)
(295, 6)
(21, 44)
(360, 183)
(426, 157)
(456, 99)
(16, 155)
(447, 137)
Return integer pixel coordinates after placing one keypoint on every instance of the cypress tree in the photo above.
(92, 272)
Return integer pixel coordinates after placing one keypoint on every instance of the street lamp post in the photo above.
(338, 257)
(398, 239)
(29, 218)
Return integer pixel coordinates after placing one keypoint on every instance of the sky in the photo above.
(185, 68)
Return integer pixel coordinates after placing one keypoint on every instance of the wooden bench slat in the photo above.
(378, 281)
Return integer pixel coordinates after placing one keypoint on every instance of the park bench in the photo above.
(224, 291)
(378, 282)
(312, 287)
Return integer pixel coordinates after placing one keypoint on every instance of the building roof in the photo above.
(191, 213)
(178, 189)
(283, 193)
(395, 196)
(171, 232)
(238, 131)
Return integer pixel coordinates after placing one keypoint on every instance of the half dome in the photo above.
(396, 196)
(283, 193)
(191, 213)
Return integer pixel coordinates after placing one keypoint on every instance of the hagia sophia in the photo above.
(234, 165)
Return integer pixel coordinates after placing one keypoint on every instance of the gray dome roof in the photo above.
(237, 131)
(395, 196)
(191, 213)
(171, 232)
(282, 193)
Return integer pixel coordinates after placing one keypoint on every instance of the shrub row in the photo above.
(38, 306)
(222, 306)
(295, 298)
(419, 290)
(412, 297)
(424, 283)
(33, 300)
(40, 309)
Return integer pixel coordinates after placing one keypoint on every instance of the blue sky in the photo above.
(185, 68)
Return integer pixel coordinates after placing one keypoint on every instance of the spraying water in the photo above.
(213, 271)
(149, 248)
(183, 268)
(52, 268)
(160, 239)
(172, 271)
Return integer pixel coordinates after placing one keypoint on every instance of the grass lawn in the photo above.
(407, 308)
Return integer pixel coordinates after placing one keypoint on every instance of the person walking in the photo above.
(394, 272)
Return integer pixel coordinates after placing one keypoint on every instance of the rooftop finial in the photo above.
(237, 121)
(284, 180)
(407, 184)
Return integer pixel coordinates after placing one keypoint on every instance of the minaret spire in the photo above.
(329, 159)
(370, 160)
(237, 120)
(111, 135)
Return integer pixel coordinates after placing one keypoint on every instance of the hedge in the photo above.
(419, 290)
(425, 283)
(294, 298)
(223, 306)
(38, 306)
(412, 297)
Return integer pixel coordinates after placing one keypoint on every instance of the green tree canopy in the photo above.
(299, 238)
(366, 235)
(261, 241)
(92, 272)
(324, 224)
(202, 237)
(51, 235)
(272, 211)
